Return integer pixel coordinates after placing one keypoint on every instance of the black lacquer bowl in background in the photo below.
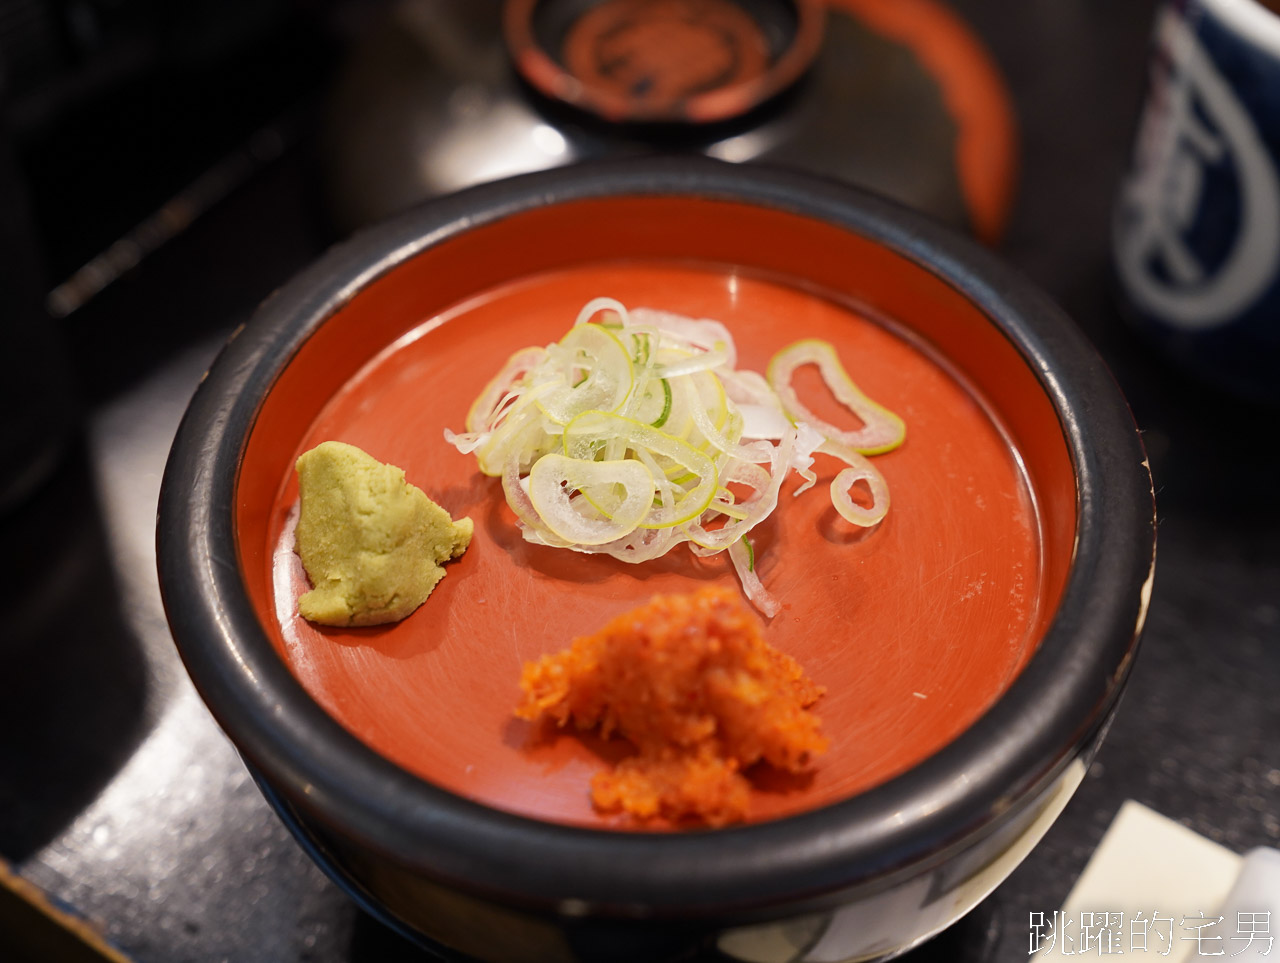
(966, 694)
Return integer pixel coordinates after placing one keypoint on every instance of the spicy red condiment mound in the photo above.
(690, 681)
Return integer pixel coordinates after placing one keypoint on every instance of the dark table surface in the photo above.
(120, 796)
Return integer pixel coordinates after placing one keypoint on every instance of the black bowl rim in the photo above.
(1014, 751)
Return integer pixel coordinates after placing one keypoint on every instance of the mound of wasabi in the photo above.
(372, 544)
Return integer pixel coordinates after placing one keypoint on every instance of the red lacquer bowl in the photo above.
(971, 646)
(662, 61)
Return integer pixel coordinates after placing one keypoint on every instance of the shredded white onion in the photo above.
(624, 437)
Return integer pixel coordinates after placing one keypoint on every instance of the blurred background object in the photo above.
(35, 379)
(132, 118)
(900, 97)
(117, 104)
(39, 931)
(1197, 231)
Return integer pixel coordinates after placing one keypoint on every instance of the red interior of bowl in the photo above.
(914, 627)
